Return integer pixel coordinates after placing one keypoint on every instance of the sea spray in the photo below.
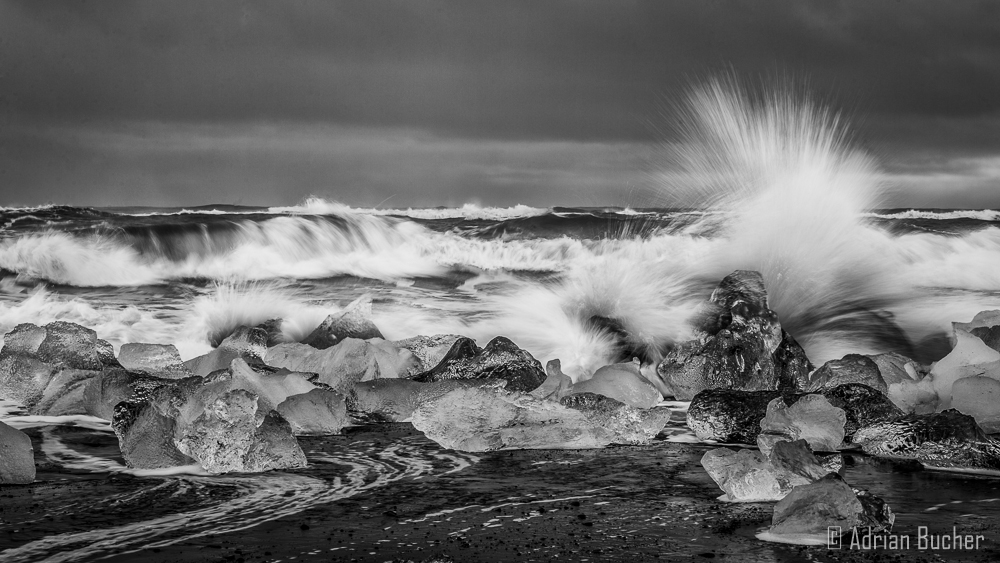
(232, 305)
(792, 191)
(649, 297)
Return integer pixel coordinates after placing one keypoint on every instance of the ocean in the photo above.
(888, 279)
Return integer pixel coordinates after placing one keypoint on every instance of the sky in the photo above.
(423, 103)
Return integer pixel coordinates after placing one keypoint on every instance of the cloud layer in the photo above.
(188, 102)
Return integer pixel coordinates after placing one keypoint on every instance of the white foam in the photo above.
(319, 206)
(964, 470)
(83, 421)
(979, 214)
(795, 539)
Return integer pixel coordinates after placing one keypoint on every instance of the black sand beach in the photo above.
(615, 504)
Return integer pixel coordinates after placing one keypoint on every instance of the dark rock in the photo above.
(355, 321)
(852, 368)
(862, 405)
(500, 359)
(960, 456)
(902, 437)
(948, 439)
(318, 412)
(17, 459)
(728, 416)
(248, 344)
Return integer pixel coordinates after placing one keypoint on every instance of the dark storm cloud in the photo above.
(919, 77)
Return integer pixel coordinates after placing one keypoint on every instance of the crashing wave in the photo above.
(942, 215)
(319, 206)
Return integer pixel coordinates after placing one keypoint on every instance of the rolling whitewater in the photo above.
(778, 191)
(191, 276)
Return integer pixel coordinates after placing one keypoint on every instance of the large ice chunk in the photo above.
(749, 476)
(17, 459)
(556, 385)
(355, 321)
(348, 362)
(744, 475)
(318, 412)
(805, 514)
(811, 418)
(246, 343)
(622, 382)
(970, 357)
(488, 418)
(852, 368)
(978, 397)
(159, 360)
(235, 435)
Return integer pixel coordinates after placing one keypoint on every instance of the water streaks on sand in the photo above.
(246, 501)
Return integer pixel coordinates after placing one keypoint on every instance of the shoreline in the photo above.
(634, 503)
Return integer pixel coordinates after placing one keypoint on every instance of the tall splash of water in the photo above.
(790, 192)
(784, 193)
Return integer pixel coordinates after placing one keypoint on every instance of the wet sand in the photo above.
(616, 504)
